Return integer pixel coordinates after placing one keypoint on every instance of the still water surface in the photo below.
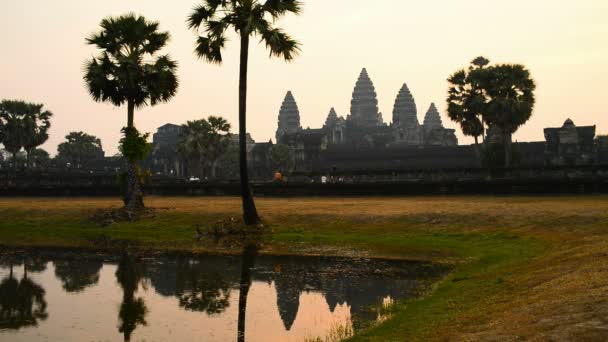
(83, 298)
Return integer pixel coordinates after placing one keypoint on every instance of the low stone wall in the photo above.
(584, 180)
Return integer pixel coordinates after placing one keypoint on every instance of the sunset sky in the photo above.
(564, 43)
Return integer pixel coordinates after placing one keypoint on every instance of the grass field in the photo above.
(524, 267)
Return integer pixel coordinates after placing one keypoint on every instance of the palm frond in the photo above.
(280, 44)
(200, 14)
(277, 8)
(210, 48)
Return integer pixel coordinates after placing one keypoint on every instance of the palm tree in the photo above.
(129, 71)
(202, 142)
(218, 140)
(510, 90)
(191, 144)
(37, 124)
(466, 100)
(248, 18)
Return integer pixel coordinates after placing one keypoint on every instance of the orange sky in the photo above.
(563, 43)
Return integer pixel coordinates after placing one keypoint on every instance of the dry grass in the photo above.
(375, 206)
(560, 296)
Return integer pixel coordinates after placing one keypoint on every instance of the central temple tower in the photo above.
(406, 126)
(289, 117)
(364, 104)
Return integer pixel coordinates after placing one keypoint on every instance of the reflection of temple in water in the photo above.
(208, 285)
(362, 284)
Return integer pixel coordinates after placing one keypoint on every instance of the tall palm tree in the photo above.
(129, 71)
(510, 90)
(248, 18)
(37, 124)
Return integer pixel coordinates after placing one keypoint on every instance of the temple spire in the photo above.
(364, 103)
(432, 119)
(289, 117)
(405, 113)
(332, 118)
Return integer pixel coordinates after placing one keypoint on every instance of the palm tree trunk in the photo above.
(134, 199)
(28, 159)
(477, 150)
(247, 263)
(250, 213)
(507, 146)
(130, 114)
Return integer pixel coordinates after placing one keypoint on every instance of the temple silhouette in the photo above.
(363, 141)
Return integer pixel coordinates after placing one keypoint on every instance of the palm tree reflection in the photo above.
(133, 310)
(249, 254)
(22, 303)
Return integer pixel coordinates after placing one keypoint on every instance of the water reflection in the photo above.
(247, 262)
(22, 302)
(218, 288)
(130, 274)
(76, 275)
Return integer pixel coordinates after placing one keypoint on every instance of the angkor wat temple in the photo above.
(362, 140)
(364, 127)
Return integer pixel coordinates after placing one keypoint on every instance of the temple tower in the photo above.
(335, 128)
(289, 117)
(406, 127)
(364, 104)
(434, 132)
(405, 113)
(332, 118)
(432, 120)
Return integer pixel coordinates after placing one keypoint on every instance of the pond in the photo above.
(74, 297)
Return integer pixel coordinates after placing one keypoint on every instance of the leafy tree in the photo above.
(283, 158)
(79, 149)
(248, 18)
(202, 142)
(39, 158)
(23, 125)
(510, 100)
(229, 162)
(129, 71)
(466, 100)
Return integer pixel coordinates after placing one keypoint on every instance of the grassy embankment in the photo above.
(531, 267)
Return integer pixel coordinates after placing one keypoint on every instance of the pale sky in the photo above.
(563, 42)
